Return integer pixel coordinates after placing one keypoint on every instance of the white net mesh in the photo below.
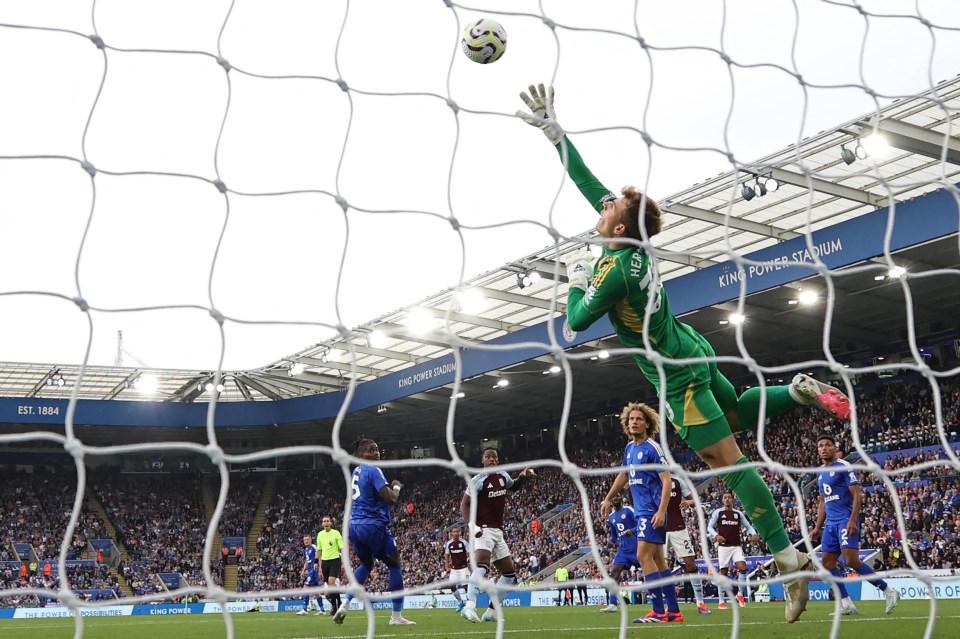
(251, 154)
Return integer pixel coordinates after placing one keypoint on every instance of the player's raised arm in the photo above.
(543, 116)
(522, 479)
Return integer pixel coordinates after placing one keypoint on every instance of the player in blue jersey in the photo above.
(838, 518)
(369, 530)
(311, 579)
(650, 490)
(623, 524)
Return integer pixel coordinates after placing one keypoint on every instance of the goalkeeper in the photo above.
(700, 401)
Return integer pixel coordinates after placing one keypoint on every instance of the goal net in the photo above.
(237, 183)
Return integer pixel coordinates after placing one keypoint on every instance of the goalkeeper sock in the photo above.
(758, 505)
(476, 578)
(835, 571)
(395, 583)
(865, 571)
(748, 406)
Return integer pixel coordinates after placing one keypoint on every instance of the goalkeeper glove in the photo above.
(579, 268)
(542, 115)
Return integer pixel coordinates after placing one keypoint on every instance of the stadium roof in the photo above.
(703, 225)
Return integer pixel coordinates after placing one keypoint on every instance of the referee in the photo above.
(329, 543)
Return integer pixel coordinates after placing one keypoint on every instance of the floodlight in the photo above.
(420, 321)
(737, 318)
(771, 183)
(860, 152)
(377, 339)
(875, 145)
(808, 297)
(295, 369)
(847, 155)
(896, 272)
(523, 280)
(146, 384)
(761, 188)
(747, 192)
(596, 250)
(604, 354)
(471, 301)
(555, 369)
(534, 276)
(503, 382)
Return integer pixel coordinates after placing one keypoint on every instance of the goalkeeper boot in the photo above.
(400, 621)
(302, 612)
(610, 608)
(892, 597)
(809, 392)
(796, 591)
(460, 606)
(489, 615)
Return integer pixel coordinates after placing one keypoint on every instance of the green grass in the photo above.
(758, 620)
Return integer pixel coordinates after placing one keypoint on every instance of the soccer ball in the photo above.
(484, 41)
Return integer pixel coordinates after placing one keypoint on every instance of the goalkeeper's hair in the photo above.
(653, 419)
(652, 216)
(360, 443)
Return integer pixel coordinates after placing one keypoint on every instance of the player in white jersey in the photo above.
(724, 529)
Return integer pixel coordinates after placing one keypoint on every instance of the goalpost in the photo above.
(344, 147)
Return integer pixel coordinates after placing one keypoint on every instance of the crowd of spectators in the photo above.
(160, 522)
(36, 508)
(163, 526)
(89, 582)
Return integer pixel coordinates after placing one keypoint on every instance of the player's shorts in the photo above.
(492, 540)
(626, 559)
(729, 554)
(372, 540)
(835, 539)
(460, 575)
(679, 540)
(330, 568)
(698, 396)
(311, 579)
(646, 532)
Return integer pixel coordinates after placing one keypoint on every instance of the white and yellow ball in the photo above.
(484, 41)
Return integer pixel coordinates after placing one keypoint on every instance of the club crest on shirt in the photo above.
(568, 333)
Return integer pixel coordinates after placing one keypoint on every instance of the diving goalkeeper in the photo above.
(700, 401)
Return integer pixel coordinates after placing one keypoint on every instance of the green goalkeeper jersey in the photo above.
(624, 282)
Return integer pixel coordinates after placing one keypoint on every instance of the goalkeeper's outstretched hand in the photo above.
(579, 268)
(542, 115)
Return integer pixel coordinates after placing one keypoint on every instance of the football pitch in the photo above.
(758, 620)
